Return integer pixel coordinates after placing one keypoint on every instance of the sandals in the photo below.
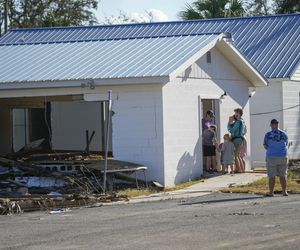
(269, 195)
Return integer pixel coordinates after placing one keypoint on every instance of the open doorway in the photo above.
(28, 125)
(214, 106)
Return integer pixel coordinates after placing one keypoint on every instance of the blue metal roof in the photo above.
(270, 43)
(124, 58)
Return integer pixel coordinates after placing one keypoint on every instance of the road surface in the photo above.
(217, 221)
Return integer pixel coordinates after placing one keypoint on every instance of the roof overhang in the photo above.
(91, 83)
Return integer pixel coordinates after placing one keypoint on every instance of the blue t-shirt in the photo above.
(276, 143)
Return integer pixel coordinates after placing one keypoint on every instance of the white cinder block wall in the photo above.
(137, 128)
(182, 135)
(266, 99)
(291, 116)
(182, 122)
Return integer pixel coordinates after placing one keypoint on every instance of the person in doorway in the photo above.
(227, 154)
(208, 120)
(236, 127)
(209, 149)
(276, 144)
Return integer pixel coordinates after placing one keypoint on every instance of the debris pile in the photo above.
(59, 180)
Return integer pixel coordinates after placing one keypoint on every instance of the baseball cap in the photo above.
(274, 121)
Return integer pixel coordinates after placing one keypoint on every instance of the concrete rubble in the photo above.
(30, 182)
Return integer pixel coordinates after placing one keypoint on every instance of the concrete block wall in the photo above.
(291, 116)
(137, 128)
(182, 135)
(266, 99)
(182, 119)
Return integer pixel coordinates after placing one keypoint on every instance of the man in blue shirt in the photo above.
(276, 144)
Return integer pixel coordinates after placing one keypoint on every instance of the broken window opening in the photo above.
(30, 124)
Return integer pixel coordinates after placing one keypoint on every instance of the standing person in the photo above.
(236, 127)
(243, 155)
(276, 144)
(209, 149)
(227, 151)
(208, 120)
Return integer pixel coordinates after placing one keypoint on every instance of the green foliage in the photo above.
(261, 186)
(287, 6)
(49, 13)
(212, 9)
(260, 7)
(200, 9)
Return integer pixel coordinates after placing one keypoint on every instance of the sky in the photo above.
(162, 10)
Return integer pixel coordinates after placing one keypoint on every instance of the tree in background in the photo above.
(235, 8)
(260, 7)
(201, 9)
(287, 6)
(151, 15)
(50, 13)
(3, 16)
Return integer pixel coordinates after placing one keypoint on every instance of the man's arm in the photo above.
(286, 139)
(266, 141)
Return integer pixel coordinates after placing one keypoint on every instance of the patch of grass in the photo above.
(133, 192)
(261, 186)
(183, 185)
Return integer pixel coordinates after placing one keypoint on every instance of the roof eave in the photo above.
(84, 83)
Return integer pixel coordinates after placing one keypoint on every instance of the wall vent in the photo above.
(208, 57)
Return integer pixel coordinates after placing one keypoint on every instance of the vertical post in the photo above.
(103, 115)
(87, 138)
(5, 16)
(1, 16)
(108, 120)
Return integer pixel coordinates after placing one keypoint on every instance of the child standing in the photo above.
(209, 149)
(228, 155)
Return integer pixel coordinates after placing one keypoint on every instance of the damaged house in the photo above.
(54, 83)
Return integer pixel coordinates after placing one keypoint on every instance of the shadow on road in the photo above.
(222, 200)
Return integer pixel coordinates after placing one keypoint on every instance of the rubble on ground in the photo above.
(31, 181)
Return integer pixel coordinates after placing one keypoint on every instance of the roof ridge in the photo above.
(115, 39)
(154, 23)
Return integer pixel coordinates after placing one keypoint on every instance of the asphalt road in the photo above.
(218, 221)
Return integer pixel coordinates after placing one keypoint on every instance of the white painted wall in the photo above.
(291, 117)
(296, 75)
(182, 125)
(266, 99)
(138, 128)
